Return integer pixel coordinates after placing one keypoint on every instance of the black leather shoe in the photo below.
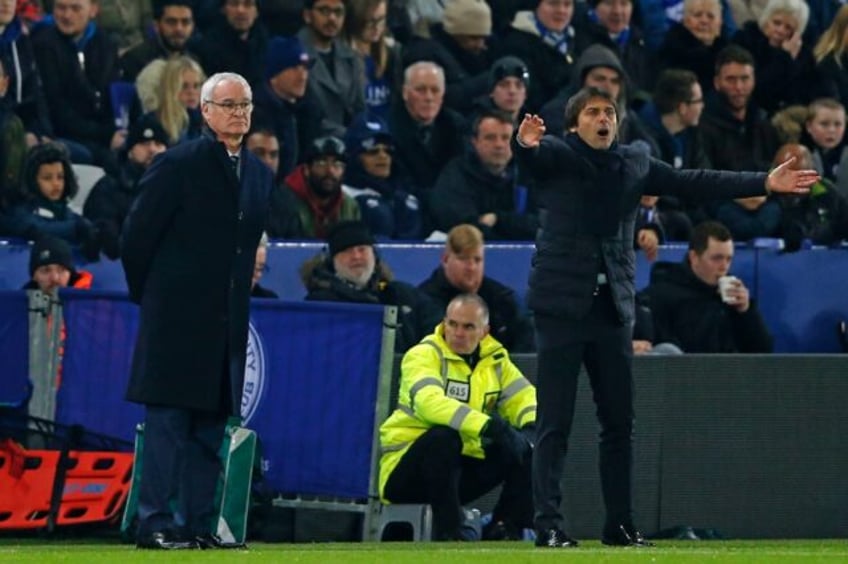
(165, 540)
(554, 538)
(210, 540)
(624, 535)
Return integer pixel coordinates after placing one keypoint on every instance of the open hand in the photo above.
(531, 130)
(784, 180)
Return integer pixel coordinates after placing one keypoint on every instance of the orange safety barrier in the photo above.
(95, 486)
(25, 492)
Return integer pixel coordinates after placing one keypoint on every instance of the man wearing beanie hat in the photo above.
(351, 272)
(294, 116)
(111, 197)
(51, 267)
(600, 67)
(508, 82)
(317, 187)
(386, 204)
(459, 46)
(338, 77)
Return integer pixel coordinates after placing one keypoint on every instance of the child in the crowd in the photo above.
(825, 137)
(41, 204)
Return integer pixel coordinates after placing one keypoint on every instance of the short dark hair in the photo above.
(733, 54)
(703, 232)
(498, 115)
(577, 102)
(674, 86)
(160, 5)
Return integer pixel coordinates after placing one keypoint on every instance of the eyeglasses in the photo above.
(695, 101)
(376, 22)
(326, 11)
(232, 107)
(261, 269)
(328, 162)
(377, 149)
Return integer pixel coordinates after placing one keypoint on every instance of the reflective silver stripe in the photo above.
(459, 416)
(523, 413)
(423, 383)
(442, 359)
(395, 448)
(408, 410)
(499, 373)
(514, 388)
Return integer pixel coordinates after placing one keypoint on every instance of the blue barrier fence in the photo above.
(799, 294)
(14, 348)
(311, 384)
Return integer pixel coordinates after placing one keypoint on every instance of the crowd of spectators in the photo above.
(401, 113)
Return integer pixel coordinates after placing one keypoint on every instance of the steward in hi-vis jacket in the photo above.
(463, 425)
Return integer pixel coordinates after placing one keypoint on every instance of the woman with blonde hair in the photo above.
(179, 99)
(831, 53)
(785, 71)
(365, 31)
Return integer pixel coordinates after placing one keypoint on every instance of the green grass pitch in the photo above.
(45, 551)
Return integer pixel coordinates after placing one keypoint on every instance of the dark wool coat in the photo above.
(188, 248)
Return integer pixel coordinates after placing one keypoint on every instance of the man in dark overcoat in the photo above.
(188, 250)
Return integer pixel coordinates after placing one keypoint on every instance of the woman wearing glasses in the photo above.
(387, 207)
(365, 31)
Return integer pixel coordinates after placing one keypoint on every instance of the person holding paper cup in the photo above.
(702, 308)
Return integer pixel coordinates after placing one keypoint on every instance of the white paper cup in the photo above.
(725, 283)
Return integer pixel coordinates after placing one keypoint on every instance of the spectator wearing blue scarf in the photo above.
(546, 42)
(608, 23)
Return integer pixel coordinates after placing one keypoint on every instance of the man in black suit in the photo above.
(199, 216)
(582, 290)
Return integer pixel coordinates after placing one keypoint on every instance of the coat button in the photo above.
(238, 250)
(240, 216)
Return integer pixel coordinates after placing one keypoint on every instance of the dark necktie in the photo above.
(234, 161)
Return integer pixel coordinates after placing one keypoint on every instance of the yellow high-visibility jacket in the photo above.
(437, 387)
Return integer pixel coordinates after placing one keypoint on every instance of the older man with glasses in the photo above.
(199, 216)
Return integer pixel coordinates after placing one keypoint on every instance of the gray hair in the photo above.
(263, 240)
(797, 8)
(423, 66)
(213, 81)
